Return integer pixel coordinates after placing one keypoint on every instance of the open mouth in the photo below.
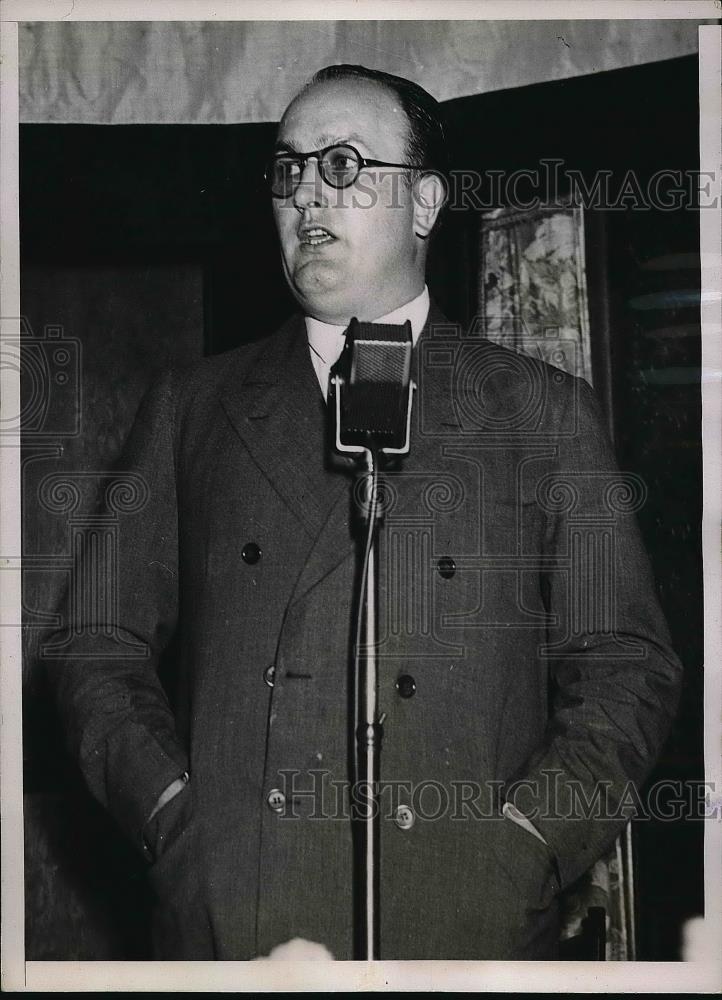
(315, 236)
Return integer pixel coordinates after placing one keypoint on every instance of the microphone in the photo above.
(370, 390)
(370, 397)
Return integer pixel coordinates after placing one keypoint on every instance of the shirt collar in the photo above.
(326, 340)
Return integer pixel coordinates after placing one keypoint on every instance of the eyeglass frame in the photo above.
(303, 158)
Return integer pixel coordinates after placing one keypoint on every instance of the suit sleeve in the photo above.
(119, 611)
(614, 678)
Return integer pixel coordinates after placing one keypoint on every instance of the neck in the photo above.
(378, 309)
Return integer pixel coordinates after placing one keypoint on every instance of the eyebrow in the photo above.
(322, 141)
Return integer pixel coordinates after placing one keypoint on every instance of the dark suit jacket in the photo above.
(514, 591)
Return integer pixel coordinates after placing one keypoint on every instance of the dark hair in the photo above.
(426, 142)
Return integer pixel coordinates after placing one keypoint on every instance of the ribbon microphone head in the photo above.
(370, 390)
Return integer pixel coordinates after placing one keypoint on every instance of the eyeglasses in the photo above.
(338, 165)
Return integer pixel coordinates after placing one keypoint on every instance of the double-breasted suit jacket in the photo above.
(522, 654)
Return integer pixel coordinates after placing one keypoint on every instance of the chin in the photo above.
(322, 299)
(316, 278)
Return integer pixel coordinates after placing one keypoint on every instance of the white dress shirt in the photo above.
(326, 341)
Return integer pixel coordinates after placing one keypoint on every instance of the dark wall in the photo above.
(656, 357)
(159, 195)
(153, 244)
(119, 324)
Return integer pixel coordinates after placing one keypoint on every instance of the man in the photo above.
(526, 677)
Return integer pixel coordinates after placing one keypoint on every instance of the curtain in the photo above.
(134, 72)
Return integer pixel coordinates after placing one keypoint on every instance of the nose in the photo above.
(309, 191)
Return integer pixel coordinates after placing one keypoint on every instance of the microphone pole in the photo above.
(368, 729)
(371, 397)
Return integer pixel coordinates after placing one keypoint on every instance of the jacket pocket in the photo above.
(169, 830)
(528, 863)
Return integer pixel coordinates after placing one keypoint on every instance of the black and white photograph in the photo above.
(360, 509)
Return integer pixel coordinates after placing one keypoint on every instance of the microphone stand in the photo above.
(368, 726)
(368, 732)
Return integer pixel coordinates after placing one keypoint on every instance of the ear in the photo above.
(429, 196)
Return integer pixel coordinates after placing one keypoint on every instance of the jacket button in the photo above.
(276, 800)
(404, 817)
(250, 553)
(269, 675)
(406, 686)
(446, 567)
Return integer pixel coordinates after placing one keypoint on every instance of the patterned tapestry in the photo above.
(532, 287)
(532, 298)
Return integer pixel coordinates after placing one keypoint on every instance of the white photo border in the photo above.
(638, 977)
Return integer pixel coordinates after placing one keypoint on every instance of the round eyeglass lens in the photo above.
(340, 166)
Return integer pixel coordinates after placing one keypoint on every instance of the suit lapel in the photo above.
(279, 413)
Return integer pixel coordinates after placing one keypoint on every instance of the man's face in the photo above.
(371, 261)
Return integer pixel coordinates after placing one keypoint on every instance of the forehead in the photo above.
(359, 111)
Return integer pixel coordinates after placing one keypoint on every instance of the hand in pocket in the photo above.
(169, 822)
